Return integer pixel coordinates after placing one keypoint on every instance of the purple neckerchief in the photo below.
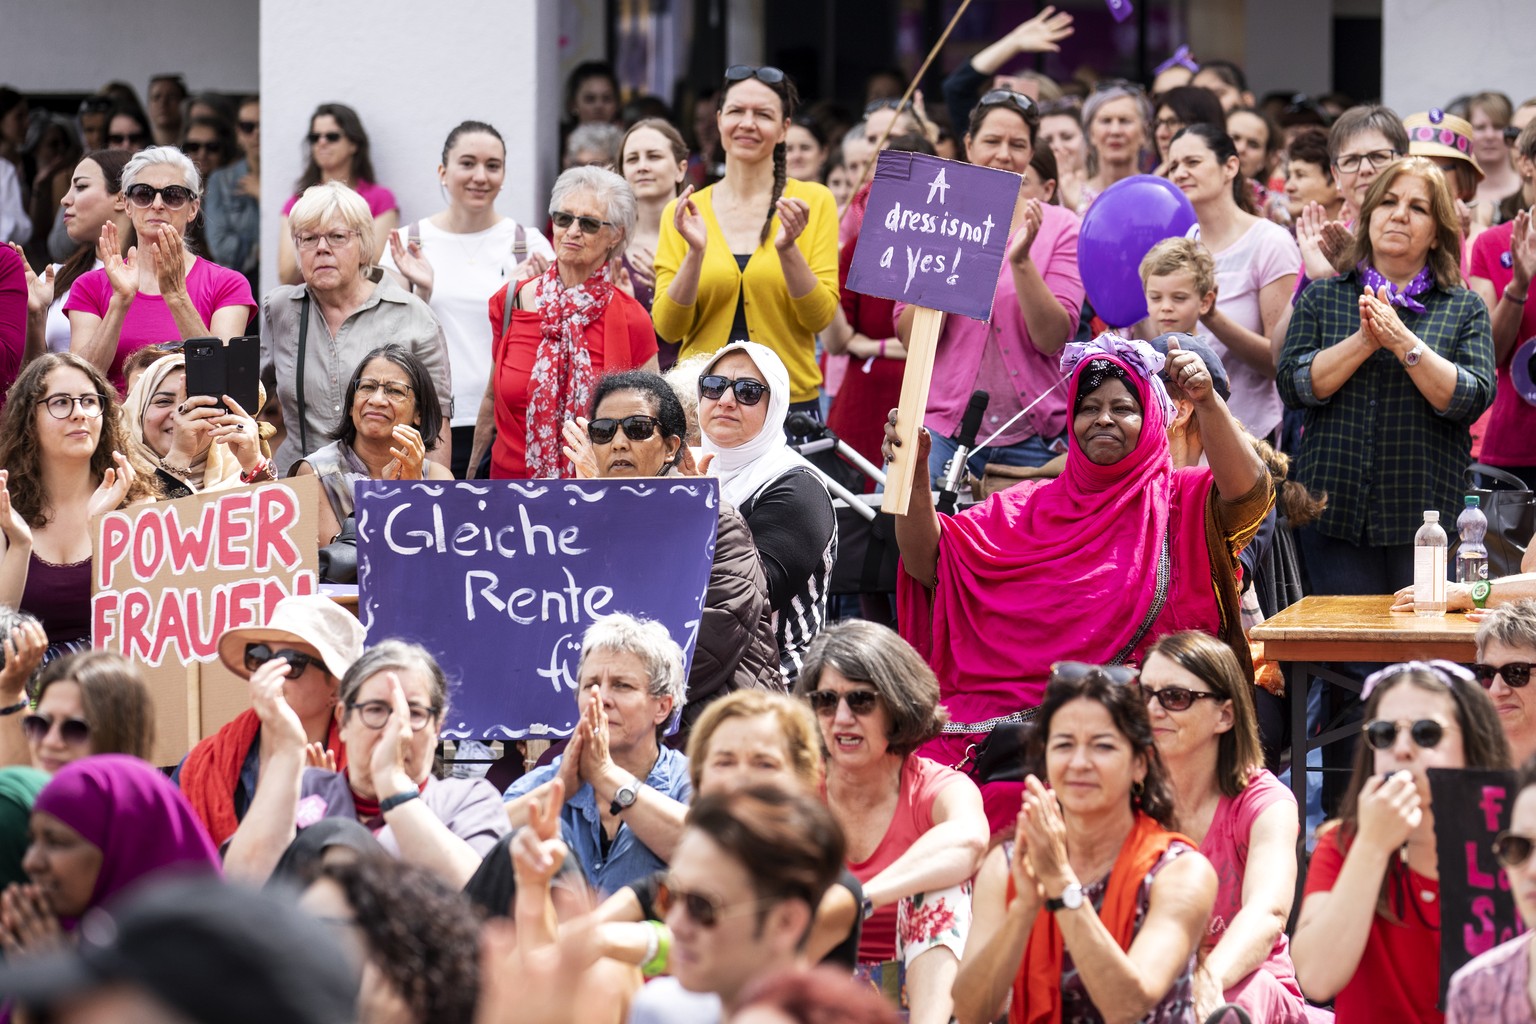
(1422, 282)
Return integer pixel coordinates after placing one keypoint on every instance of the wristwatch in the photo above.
(1071, 899)
(1413, 355)
(1480, 591)
(626, 796)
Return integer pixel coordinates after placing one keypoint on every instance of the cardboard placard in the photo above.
(935, 233)
(168, 579)
(499, 579)
(1477, 912)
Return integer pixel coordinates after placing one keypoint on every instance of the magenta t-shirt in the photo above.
(1226, 847)
(149, 322)
(380, 200)
(1511, 437)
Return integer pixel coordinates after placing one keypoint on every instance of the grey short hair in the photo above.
(398, 656)
(853, 134)
(683, 379)
(606, 138)
(1359, 120)
(1513, 625)
(612, 193)
(320, 203)
(652, 644)
(12, 619)
(167, 156)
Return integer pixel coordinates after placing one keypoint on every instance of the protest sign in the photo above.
(934, 236)
(499, 579)
(168, 579)
(1477, 912)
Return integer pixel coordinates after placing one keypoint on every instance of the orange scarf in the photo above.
(1037, 987)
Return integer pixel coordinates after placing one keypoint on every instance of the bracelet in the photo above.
(12, 709)
(658, 950)
(180, 474)
(262, 470)
(882, 348)
(390, 803)
(1521, 300)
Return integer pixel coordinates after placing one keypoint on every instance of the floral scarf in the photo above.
(562, 380)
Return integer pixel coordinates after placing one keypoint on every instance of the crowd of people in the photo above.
(1039, 778)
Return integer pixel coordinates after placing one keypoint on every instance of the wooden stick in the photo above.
(923, 342)
(194, 703)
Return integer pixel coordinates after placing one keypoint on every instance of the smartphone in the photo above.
(207, 364)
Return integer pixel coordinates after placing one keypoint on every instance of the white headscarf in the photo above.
(763, 458)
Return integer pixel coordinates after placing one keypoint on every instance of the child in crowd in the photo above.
(1178, 276)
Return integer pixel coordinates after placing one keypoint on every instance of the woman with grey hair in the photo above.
(315, 333)
(625, 794)
(1116, 118)
(160, 289)
(558, 332)
(1506, 649)
(390, 707)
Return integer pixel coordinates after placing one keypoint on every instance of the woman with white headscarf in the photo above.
(743, 402)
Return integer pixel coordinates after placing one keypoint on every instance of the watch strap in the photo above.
(19, 706)
(1480, 591)
(389, 803)
(632, 789)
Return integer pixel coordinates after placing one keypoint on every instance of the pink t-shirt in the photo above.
(1265, 253)
(380, 200)
(1511, 437)
(149, 322)
(922, 781)
(1226, 847)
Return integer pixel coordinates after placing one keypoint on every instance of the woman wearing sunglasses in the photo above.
(160, 290)
(559, 331)
(1506, 649)
(915, 830)
(93, 702)
(389, 711)
(1369, 933)
(1096, 909)
(64, 458)
(1244, 820)
(752, 257)
(744, 399)
(338, 151)
(385, 435)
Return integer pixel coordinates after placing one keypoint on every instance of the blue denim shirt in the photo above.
(628, 859)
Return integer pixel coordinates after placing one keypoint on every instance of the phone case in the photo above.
(206, 367)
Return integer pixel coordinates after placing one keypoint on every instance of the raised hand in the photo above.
(411, 261)
(1389, 810)
(280, 724)
(387, 765)
(39, 289)
(1309, 238)
(642, 266)
(687, 465)
(1026, 886)
(1337, 239)
(12, 524)
(114, 486)
(28, 924)
(689, 222)
(24, 649)
(1044, 32)
(578, 448)
(534, 266)
(410, 454)
(1189, 374)
(794, 215)
(317, 755)
(1047, 835)
(1018, 249)
(537, 851)
(1522, 251)
(893, 441)
(122, 270)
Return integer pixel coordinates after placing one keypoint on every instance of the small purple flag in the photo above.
(1121, 9)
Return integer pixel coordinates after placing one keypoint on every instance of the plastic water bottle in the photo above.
(1429, 566)
(1472, 553)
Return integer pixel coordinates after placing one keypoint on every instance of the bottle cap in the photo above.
(1473, 501)
(1432, 515)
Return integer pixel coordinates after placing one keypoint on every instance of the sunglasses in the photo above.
(1516, 674)
(589, 225)
(174, 196)
(1425, 732)
(874, 106)
(315, 137)
(705, 911)
(636, 428)
(766, 74)
(1009, 98)
(73, 731)
(193, 146)
(748, 391)
(1513, 849)
(860, 702)
(98, 105)
(1081, 671)
(248, 126)
(257, 655)
(1511, 134)
(1179, 698)
(120, 139)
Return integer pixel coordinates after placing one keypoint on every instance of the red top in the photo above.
(1511, 437)
(1398, 979)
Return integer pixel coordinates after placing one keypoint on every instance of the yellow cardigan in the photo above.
(786, 325)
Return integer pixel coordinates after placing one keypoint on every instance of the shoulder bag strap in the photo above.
(1158, 600)
(303, 338)
(519, 245)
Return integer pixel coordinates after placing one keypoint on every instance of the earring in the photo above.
(1137, 788)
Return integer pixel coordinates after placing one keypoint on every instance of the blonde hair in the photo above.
(1444, 259)
(802, 740)
(1180, 255)
(322, 203)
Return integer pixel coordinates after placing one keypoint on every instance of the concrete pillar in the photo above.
(1288, 46)
(412, 71)
(1436, 50)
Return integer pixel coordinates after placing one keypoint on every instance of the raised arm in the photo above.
(1050, 324)
(1234, 464)
(270, 823)
(917, 532)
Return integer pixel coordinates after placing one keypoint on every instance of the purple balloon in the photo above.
(1119, 229)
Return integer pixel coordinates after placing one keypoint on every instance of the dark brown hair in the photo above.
(423, 393)
(352, 127)
(867, 652)
(1220, 143)
(111, 162)
(1239, 754)
(113, 696)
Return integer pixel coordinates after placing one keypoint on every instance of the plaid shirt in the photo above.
(1377, 447)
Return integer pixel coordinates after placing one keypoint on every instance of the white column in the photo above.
(412, 71)
(1289, 46)
(1436, 50)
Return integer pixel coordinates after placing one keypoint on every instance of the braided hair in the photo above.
(789, 99)
(780, 175)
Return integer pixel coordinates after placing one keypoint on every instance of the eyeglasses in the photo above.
(257, 655)
(1425, 732)
(1516, 674)
(174, 196)
(332, 239)
(860, 702)
(194, 146)
(1171, 124)
(747, 391)
(61, 407)
(1511, 134)
(367, 387)
(1513, 849)
(315, 137)
(128, 139)
(1374, 159)
(888, 103)
(376, 713)
(705, 911)
(1008, 97)
(1178, 698)
(589, 225)
(248, 126)
(766, 74)
(73, 731)
(636, 428)
(1081, 671)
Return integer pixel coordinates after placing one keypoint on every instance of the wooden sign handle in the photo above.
(922, 343)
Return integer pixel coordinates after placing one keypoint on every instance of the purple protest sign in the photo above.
(1121, 9)
(934, 233)
(499, 579)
